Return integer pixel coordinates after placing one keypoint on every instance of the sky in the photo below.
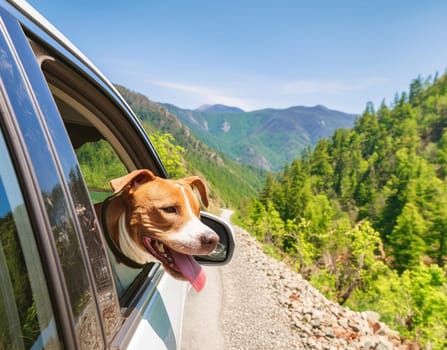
(256, 54)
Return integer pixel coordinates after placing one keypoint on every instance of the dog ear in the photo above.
(197, 182)
(131, 181)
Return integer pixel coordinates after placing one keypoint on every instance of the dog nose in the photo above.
(209, 238)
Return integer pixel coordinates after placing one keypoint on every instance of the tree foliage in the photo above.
(364, 214)
(100, 163)
(170, 153)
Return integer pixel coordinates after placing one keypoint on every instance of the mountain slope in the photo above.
(230, 181)
(364, 216)
(266, 138)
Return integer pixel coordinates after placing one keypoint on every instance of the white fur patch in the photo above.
(188, 205)
(189, 236)
(129, 247)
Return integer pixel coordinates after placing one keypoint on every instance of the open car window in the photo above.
(103, 144)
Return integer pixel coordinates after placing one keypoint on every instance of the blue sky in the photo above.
(255, 54)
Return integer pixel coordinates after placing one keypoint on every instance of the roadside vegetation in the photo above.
(363, 215)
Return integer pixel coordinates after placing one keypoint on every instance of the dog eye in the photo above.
(169, 210)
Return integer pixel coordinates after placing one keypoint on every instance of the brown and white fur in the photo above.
(156, 219)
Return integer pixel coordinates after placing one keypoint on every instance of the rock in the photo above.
(371, 316)
(329, 332)
(343, 322)
(315, 323)
(312, 321)
(383, 345)
(354, 325)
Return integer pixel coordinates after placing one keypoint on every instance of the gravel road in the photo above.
(237, 308)
(256, 302)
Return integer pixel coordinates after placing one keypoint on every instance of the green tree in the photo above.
(170, 154)
(413, 303)
(296, 243)
(320, 214)
(442, 155)
(270, 226)
(359, 260)
(406, 238)
(321, 167)
(416, 89)
(428, 322)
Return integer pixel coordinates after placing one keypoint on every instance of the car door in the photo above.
(57, 105)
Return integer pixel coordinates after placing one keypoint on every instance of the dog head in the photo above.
(161, 222)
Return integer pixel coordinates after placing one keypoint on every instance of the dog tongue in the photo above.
(190, 269)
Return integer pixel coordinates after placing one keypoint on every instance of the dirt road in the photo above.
(236, 309)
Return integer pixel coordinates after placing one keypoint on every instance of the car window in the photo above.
(26, 314)
(97, 130)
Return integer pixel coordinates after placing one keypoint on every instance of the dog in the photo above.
(152, 219)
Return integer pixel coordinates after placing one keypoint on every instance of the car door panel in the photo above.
(160, 316)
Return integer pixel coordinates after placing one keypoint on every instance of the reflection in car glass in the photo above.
(26, 316)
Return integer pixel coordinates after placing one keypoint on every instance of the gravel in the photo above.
(256, 302)
(251, 317)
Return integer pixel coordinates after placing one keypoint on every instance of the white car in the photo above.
(59, 284)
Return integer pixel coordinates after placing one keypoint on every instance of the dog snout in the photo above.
(209, 239)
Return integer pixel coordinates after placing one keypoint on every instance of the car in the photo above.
(58, 278)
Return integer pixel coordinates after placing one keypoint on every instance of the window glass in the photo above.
(26, 315)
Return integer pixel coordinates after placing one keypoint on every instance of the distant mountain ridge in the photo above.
(219, 109)
(230, 181)
(267, 138)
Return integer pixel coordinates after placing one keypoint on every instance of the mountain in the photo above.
(230, 181)
(218, 109)
(267, 138)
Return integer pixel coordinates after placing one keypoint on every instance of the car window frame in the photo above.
(28, 180)
(125, 130)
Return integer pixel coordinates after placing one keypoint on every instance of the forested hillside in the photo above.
(363, 215)
(183, 154)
